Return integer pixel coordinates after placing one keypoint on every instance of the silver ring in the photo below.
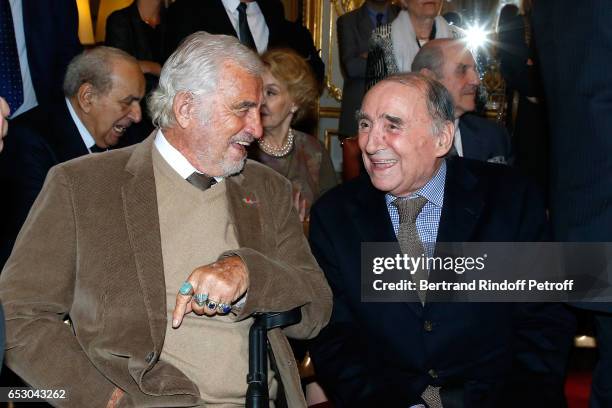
(200, 299)
(211, 304)
(224, 308)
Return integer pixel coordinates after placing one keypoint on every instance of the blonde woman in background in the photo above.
(290, 94)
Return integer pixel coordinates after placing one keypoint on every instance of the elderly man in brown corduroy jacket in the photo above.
(160, 254)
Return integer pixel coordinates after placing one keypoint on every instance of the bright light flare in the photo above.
(476, 37)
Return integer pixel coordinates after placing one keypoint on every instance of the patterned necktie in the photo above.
(201, 181)
(408, 235)
(379, 19)
(411, 245)
(246, 37)
(11, 86)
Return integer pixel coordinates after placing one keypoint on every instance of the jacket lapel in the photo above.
(473, 146)
(463, 204)
(371, 219)
(364, 23)
(245, 212)
(67, 141)
(142, 221)
(369, 213)
(216, 15)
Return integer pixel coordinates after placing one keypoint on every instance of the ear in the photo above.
(182, 106)
(445, 139)
(294, 108)
(86, 96)
(428, 73)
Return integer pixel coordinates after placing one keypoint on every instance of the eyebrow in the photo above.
(361, 115)
(244, 105)
(393, 119)
(130, 99)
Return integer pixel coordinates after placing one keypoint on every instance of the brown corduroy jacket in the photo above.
(90, 249)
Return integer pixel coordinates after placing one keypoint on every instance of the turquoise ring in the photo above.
(186, 289)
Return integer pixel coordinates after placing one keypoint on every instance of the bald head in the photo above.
(451, 62)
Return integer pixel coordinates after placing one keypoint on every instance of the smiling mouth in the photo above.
(383, 163)
(119, 129)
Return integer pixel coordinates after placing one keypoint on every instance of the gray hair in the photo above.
(195, 67)
(94, 66)
(439, 101)
(431, 57)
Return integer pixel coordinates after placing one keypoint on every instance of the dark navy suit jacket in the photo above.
(573, 42)
(51, 35)
(382, 354)
(484, 140)
(39, 139)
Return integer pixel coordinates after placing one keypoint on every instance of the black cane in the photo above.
(257, 378)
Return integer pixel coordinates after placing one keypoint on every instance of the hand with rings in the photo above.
(211, 289)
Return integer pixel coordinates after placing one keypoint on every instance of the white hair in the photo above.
(195, 67)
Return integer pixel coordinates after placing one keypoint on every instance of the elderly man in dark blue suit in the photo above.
(438, 354)
(103, 87)
(451, 62)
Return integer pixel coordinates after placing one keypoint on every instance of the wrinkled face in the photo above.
(399, 151)
(460, 77)
(277, 102)
(423, 8)
(112, 113)
(227, 123)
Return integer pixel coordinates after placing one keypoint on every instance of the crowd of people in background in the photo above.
(169, 182)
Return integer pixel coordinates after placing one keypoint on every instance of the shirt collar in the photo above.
(433, 191)
(232, 5)
(373, 13)
(174, 158)
(85, 135)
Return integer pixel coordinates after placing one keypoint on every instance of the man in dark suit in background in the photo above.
(451, 63)
(41, 38)
(573, 40)
(354, 29)
(102, 89)
(265, 26)
(410, 354)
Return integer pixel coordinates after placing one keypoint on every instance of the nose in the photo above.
(135, 113)
(474, 78)
(253, 123)
(372, 141)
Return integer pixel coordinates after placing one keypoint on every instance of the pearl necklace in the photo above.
(274, 151)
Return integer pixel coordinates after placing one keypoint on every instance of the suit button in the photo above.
(149, 358)
(432, 373)
(428, 326)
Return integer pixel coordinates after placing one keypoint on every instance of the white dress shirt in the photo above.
(85, 135)
(257, 22)
(174, 158)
